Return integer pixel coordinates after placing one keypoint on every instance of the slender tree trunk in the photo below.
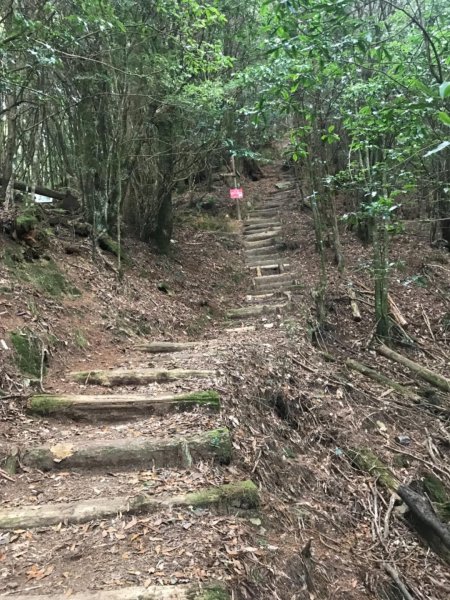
(380, 267)
(164, 220)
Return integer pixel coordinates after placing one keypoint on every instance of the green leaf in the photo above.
(445, 118)
(444, 89)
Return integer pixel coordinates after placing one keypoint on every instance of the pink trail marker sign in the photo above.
(236, 193)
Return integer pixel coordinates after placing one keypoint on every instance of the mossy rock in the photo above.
(26, 221)
(28, 349)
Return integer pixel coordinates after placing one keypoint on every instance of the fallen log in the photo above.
(157, 347)
(422, 516)
(383, 380)
(367, 461)
(152, 592)
(131, 452)
(41, 190)
(243, 495)
(136, 376)
(426, 522)
(435, 379)
(120, 406)
(422, 401)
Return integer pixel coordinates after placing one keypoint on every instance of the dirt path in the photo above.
(127, 484)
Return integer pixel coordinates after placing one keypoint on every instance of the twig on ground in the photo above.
(396, 577)
(5, 475)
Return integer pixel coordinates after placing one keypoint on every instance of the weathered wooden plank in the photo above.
(136, 376)
(144, 451)
(115, 406)
(230, 497)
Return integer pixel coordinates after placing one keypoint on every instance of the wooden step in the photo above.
(259, 298)
(261, 226)
(228, 498)
(159, 347)
(267, 243)
(240, 330)
(121, 405)
(285, 185)
(153, 592)
(251, 221)
(115, 377)
(252, 253)
(270, 279)
(263, 213)
(272, 204)
(262, 235)
(255, 311)
(140, 452)
(257, 261)
(268, 265)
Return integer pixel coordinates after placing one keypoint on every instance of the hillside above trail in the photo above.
(187, 429)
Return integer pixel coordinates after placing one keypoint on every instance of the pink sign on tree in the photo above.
(236, 193)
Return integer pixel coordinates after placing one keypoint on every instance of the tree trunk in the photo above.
(164, 219)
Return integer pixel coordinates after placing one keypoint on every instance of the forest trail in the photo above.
(116, 465)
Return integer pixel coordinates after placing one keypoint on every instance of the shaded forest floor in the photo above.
(293, 407)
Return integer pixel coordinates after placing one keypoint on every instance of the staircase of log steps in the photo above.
(272, 281)
(93, 467)
(92, 447)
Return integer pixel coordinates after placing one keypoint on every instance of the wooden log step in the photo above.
(228, 498)
(255, 252)
(270, 279)
(270, 204)
(258, 221)
(259, 261)
(255, 311)
(136, 376)
(122, 405)
(137, 452)
(268, 265)
(262, 235)
(239, 330)
(152, 592)
(266, 243)
(274, 287)
(258, 226)
(259, 298)
(159, 347)
(285, 185)
(263, 213)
